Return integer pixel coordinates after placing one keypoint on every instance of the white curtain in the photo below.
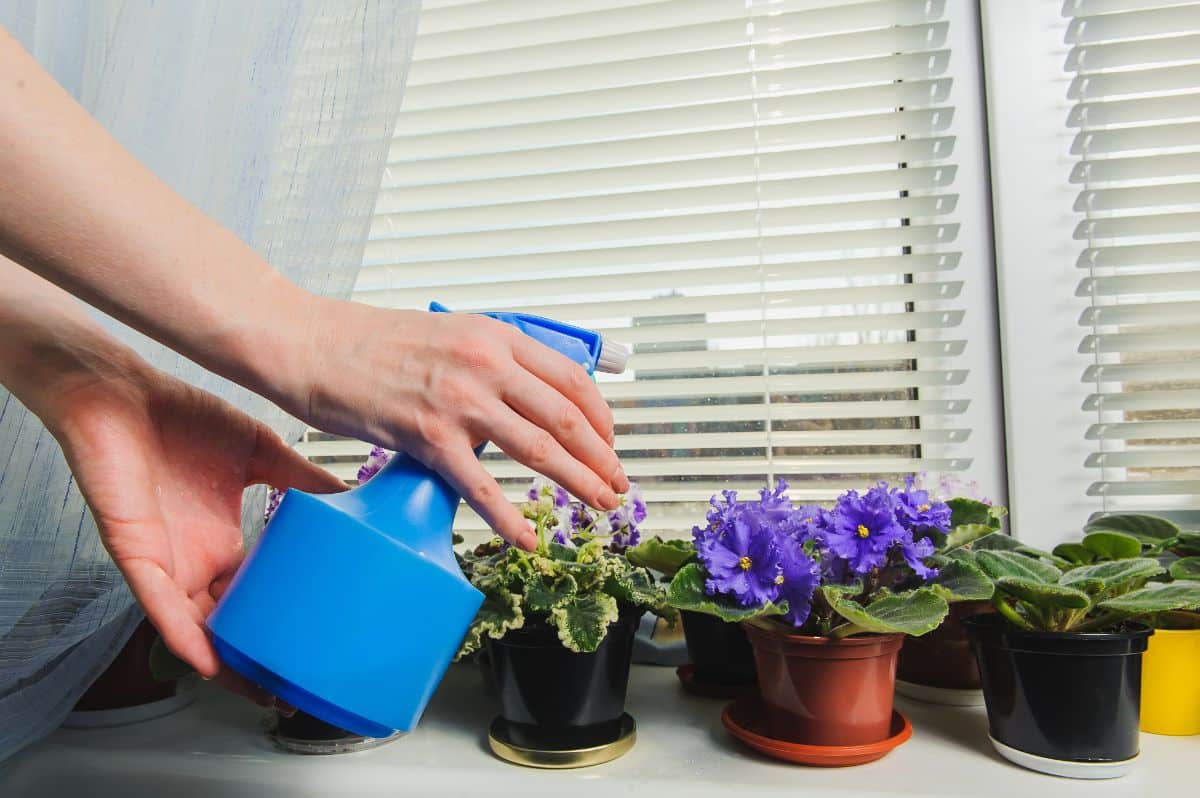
(274, 117)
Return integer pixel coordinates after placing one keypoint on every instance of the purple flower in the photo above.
(918, 512)
(623, 521)
(811, 522)
(544, 487)
(376, 460)
(740, 552)
(914, 552)
(864, 528)
(274, 497)
(798, 579)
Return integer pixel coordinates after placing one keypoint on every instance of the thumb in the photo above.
(279, 465)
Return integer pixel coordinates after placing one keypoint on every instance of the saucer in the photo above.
(743, 718)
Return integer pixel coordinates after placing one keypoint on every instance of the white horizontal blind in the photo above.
(1136, 89)
(756, 195)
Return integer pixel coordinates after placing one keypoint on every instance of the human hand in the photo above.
(436, 385)
(163, 466)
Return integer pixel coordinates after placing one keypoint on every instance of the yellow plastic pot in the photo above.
(1170, 689)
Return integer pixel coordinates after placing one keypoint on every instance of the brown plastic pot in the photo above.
(943, 658)
(128, 682)
(822, 691)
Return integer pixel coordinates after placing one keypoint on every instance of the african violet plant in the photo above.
(1034, 593)
(575, 580)
(878, 562)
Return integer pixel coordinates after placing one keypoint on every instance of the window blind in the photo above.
(1136, 94)
(757, 196)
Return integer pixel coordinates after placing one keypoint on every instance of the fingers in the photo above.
(281, 466)
(467, 475)
(535, 447)
(174, 615)
(551, 411)
(569, 379)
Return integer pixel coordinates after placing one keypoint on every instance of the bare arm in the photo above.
(79, 210)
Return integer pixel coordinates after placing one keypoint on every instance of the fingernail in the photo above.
(619, 482)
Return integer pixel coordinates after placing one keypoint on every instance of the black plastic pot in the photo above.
(719, 651)
(1061, 696)
(550, 695)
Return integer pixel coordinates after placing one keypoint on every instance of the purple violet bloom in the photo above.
(915, 552)
(798, 579)
(544, 487)
(864, 528)
(739, 551)
(274, 497)
(376, 460)
(918, 512)
(623, 521)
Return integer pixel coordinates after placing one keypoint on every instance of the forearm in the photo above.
(78, 209)
(49, 344)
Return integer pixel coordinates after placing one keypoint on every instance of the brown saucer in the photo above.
(743, 718)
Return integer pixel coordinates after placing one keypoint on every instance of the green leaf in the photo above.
(164, 665)
(563, 553)
(543, 595)
(1149, 529)
(686, 592)
(1156, 598)
(959, 580)
(969, 512)
(997, 541)
(500, 612)
(997, 564)
(1187, 544)
(664, 556)
(1075, 553)
(964, 534)
(1108, 545)
(582, 621)
(1038, 554)
(912, 613)
(632, 585)
(1112, 577)
(1043, 594)
(1185, 568)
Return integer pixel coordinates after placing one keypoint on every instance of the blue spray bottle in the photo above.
(351, 606)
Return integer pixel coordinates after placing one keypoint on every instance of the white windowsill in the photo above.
(215, 747)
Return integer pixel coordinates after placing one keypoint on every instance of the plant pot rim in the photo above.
(1135, 630)
(778, 630)
(1181, 632)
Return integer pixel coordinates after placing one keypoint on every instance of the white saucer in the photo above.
(946, 696)
(1062, 767)
(107, 718)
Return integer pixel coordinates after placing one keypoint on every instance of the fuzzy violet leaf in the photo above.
(1185, 568)
(966, 533)
(1109, 545)
(582, 621)
(543, 595)
(1044, 595)
(663, 556)
(1150, 530)
(1000, 563)
(912, 612)
(1113, 577)
(687, 592)
(971, 512)
(500, 612)
(1156, 598)
(961, 580)
(1075, 553)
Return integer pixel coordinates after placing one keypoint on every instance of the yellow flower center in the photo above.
(744, 563)
(779, 579)
(923, 508)
(863, 531)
